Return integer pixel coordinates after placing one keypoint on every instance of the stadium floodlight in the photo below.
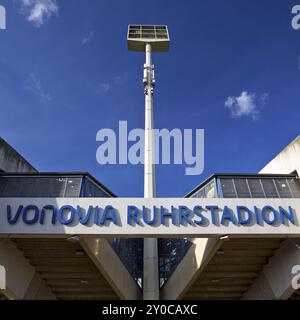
(148, 39)
(140, 35)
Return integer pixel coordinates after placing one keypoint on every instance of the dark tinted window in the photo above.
(269, 188)
(242, 188)
(227, 186)
(43, 187)
(73, 187)
(256, 188)
(283, 188)
(251, 187)
(295, 187)
(58, 187)
(90, 190)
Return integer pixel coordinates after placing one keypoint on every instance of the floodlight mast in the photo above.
(151, 273)
(148, 39)
(149, 83)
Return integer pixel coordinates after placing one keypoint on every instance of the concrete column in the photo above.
(38, 290)
(111, 267)
(190, 267)
(260, 290)
(20, 275)
(275, 281)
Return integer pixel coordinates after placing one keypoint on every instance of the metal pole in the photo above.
(151, 274)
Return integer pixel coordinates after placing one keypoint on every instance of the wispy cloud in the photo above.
(34, 85)
(246, 105)
(121, 79)
(104, 87)
(39, 11)
(88, 38)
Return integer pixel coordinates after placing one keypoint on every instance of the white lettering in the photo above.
(296, 18)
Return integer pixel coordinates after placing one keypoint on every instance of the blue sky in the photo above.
(65, 72)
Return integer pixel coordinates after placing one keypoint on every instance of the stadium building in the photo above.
(80, 259)
(78, 267)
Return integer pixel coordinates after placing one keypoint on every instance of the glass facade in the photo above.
(171, 251)
(130, 250)
(42, 186)
(39, 187)
(208, 191)
(252, 186)
(49, 187)
(90, 190)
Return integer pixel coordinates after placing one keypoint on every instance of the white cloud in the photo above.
(38, 11)
(121, 79)
(264, 97)
(88, 38)
(246, 105)
(34, 85)
(104, 87)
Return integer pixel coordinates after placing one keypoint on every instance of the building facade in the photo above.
(77, 267)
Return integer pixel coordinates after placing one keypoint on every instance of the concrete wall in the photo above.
(276, 279)
(22, 281)
(111, 267)
(12, 161)
(190, 267)
(287, 161)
